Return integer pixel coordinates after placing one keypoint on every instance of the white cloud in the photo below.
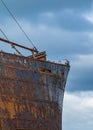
(83, 61)
(88, 16)
(78, 111)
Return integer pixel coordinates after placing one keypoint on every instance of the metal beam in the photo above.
(15, 44)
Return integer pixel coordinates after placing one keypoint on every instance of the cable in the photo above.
(3, 34)
(11, 44)
(18, 24)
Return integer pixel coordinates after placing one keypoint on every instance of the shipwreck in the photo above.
(31, 91)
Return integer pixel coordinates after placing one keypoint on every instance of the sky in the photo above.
(64, 29)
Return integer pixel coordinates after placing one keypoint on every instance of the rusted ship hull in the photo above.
(31, 93)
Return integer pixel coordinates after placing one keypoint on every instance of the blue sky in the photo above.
(64, 29)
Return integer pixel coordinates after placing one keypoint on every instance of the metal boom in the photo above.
(15, 44)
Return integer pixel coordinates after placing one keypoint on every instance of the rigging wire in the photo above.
(3, 34)
(18, 24)
(11, 44)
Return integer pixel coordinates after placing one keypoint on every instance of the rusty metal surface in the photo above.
(31, 93)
